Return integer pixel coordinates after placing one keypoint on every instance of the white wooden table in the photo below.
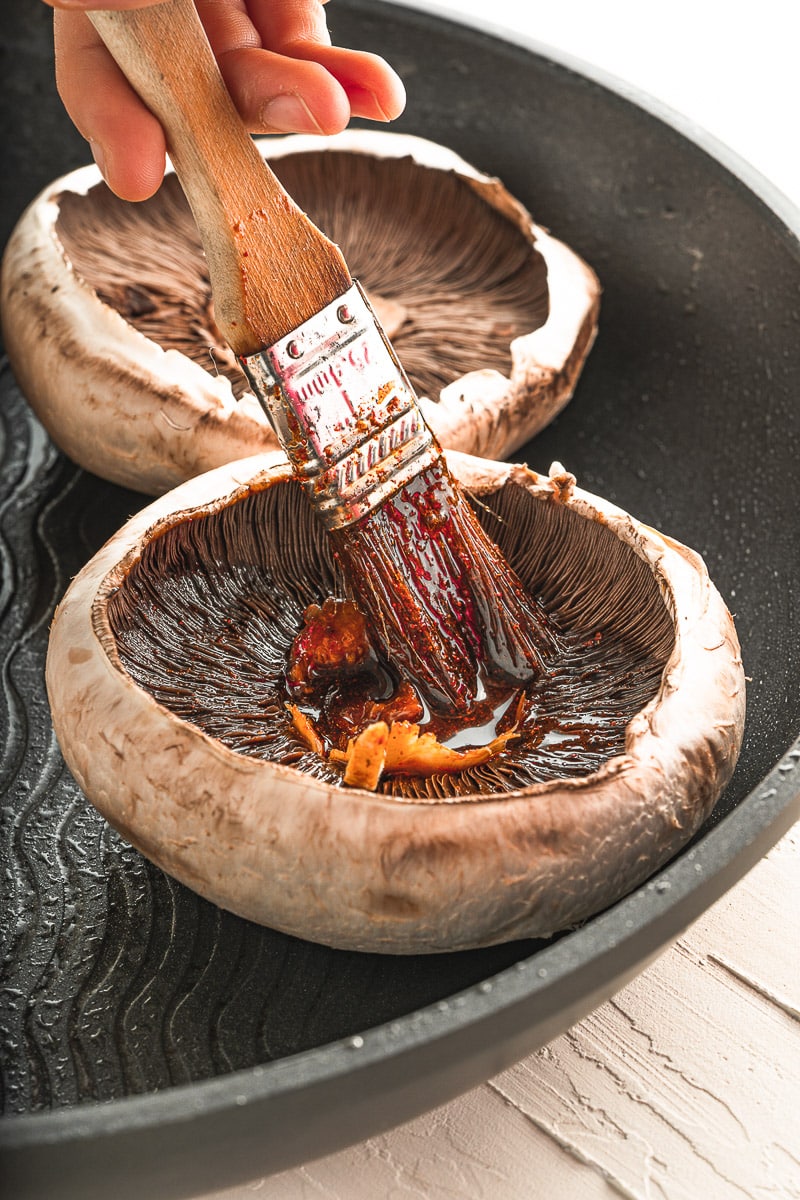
(686, 1084)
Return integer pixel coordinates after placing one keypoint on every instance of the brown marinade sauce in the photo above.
(206, 619)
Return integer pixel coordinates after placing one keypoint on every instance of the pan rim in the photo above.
(607, 946)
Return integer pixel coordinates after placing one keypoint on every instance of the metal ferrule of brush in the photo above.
(343, 409)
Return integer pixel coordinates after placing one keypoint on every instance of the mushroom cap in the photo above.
(109, 324)
(366, 871)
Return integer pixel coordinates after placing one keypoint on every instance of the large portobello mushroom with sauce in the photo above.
(166, 680)
(109, 323)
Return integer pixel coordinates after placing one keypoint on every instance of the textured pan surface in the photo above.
(117, 982)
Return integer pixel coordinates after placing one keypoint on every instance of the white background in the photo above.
(730, 68)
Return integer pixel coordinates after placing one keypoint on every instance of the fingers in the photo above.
(126, 139)
(298, 30)
(372, 88)
(320, 94)
(279, 95)
(282, 23)
(283, 73)
(276, 59)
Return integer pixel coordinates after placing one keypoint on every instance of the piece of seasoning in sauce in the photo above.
(344, 703)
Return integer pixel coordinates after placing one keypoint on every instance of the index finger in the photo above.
(126, 139)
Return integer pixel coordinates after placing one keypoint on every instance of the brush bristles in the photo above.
(446, 606)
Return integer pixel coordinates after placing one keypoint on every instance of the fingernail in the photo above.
(289, 113)
(99, 156)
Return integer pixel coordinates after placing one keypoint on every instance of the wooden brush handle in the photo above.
(271, 268)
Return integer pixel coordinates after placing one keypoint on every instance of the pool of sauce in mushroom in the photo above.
(342, 693)
(206, 619)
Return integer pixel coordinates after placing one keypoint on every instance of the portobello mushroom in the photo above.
(166, 677)
(109, 323)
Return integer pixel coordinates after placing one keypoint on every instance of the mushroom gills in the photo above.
(491, 315)
(146, 263)
(451, 279)
(206, 618)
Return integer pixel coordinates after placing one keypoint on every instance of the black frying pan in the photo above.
(152, 1044)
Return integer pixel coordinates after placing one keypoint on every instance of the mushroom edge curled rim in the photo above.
(360, 871)
(146, 418)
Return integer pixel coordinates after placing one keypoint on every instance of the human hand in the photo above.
(275, 57)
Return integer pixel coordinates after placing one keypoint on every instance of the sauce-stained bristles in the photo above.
(442, 604)
(446, 606)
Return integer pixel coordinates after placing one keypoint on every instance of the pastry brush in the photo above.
(444, 605)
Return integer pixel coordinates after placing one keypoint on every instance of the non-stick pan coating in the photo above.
(218, 1050)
